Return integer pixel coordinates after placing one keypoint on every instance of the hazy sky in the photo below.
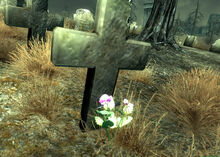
(184, 7)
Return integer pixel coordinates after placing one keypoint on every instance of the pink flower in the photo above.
(107, 102)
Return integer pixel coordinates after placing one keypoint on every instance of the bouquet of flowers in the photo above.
(108, 117)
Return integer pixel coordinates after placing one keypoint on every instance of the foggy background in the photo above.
(184, 7)
(206, 8)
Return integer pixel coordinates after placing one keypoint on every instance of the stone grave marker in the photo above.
(190, 40)
(215, 47)
(34, 16)
(68, 49)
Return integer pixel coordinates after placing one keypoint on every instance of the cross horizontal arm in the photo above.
(136, 58)
(68, 45)
(22, 17)
(54, 21)
(17, 16)
(68, 50)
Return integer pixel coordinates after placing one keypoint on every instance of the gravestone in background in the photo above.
(35, 17)
(84, 20)
(215, 47)
(18, 3)
(189, 41)
(68, 49)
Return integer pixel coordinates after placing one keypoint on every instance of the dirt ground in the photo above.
(179, 61)
(167, 63)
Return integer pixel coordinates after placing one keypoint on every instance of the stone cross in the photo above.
(34, 17)
(68, 50)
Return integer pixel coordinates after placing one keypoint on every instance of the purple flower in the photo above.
(107, 102)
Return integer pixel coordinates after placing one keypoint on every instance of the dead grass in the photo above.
(193, 98)
(35, 62)
(45, 98)
(140, 136)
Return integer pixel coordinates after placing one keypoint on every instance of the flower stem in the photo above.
(108, 133)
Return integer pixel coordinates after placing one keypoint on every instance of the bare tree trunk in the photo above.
(195, 19)
(158, 27)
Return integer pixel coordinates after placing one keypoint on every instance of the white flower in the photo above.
(125, 101)
(108, 103)
(115, 120)
(120, 122)
(128, 108)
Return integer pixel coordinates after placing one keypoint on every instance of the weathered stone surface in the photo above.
(19, 3)
(54, 20)
(29, 3)
(189, 41)
(2, 10)
(215, 47)
(8, 2)
(16, 16)
(103, 53)
(35, 17)
(21, 17)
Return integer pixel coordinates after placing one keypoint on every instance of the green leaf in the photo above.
(107, 124)
(104, 112)
(99, 120)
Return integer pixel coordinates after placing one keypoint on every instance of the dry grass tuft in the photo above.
(35, 61)
(141, 136)
(193, 98)
(45, 98)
